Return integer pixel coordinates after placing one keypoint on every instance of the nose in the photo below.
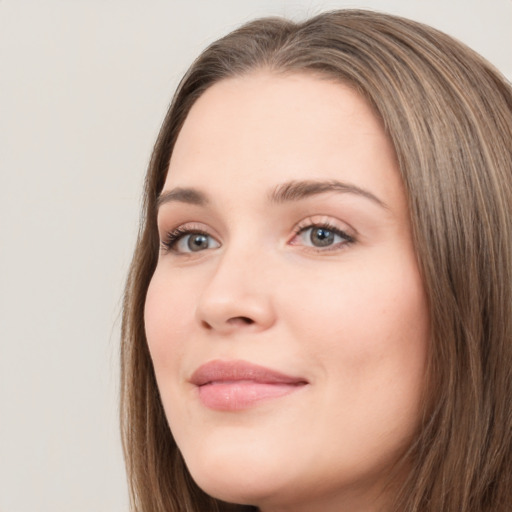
(238, 296)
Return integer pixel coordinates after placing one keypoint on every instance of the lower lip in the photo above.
(238, 395)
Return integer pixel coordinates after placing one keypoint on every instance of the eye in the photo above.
(183, 240)
(322, 237)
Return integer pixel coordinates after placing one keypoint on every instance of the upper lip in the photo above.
(237, 370)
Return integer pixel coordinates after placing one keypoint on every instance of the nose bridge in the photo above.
(238, 292)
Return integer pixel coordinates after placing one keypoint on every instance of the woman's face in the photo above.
(286, 318)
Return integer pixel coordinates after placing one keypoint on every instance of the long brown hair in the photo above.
(448, 114)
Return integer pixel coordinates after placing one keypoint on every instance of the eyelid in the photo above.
(171, 237)
(325, 220)
(341, 229)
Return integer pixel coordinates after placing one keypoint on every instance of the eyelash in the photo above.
(308, 224)
(173, 237)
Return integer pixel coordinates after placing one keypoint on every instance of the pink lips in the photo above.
(236, 385)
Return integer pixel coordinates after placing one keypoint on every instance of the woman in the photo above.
(318, 313)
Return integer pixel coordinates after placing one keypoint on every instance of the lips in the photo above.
(237, 385)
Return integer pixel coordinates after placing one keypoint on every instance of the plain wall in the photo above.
(84, 85)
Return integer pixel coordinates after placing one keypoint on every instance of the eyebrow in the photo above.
(286, 192)
(296, 190)
(182, 195)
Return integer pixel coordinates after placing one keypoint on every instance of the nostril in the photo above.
(240, 320)
(234, 322)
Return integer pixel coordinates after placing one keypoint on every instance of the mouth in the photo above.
(237, 385)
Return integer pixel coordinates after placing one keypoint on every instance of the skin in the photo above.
(350, 317)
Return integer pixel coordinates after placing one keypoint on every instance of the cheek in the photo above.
(369, 338)
(368, 327)
(371, 304)
(167, 316)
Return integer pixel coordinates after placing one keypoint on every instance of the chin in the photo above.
(240, 493)
(241, 479)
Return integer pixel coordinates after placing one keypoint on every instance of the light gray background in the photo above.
(84, 86)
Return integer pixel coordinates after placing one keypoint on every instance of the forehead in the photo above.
(277, 110)
(264, 128)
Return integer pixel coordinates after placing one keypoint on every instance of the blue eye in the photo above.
(183, 240)
(323, 236)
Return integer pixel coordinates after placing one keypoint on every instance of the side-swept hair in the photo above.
(448, 113)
